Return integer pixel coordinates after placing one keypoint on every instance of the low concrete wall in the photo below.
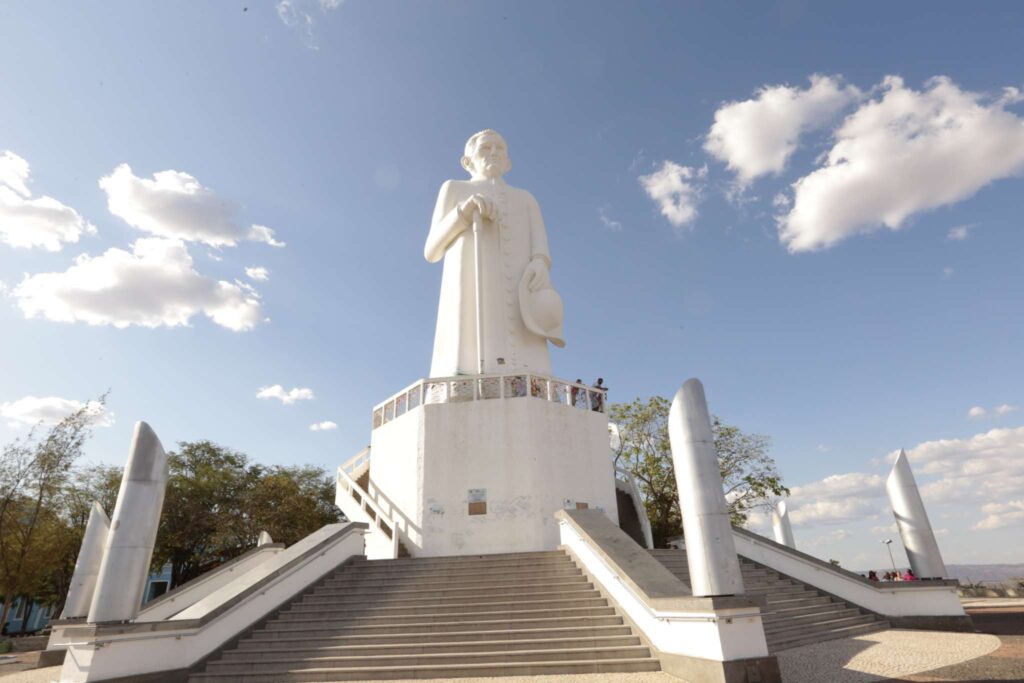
(910, 600)
(702, 640)
(164, 649)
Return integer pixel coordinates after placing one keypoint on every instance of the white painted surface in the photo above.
(627, 483)
(912, 520)
(710, 553)
(87, 567)
(202, 586)
(129, 547)
(531, 456)
(513, 251)
(721, 635)
(148, 652)
(781, 527)
(891, 599)
(264, 539)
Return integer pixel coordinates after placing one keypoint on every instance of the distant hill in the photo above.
(976, 573)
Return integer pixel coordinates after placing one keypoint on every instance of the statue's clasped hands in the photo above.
(477, 204)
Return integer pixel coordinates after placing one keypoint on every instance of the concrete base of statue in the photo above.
(463, 470)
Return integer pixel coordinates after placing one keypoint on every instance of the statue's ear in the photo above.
(467, 164)
(508, 165)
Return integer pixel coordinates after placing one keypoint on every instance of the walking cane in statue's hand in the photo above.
(477, 222)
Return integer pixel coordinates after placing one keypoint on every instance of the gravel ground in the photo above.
(884, 655)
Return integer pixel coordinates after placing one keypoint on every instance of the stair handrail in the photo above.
(638, 505)
(356, 461)
(380, 519)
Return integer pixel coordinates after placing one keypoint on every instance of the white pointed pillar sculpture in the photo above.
(710, 551)
(264, 539)
(87, 567)
(912, 520)
(129, 548)
(781, 528)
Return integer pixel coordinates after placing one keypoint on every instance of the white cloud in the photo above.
(258, 273)
(780, 201)
(903, 152)
(153, 285)
(50, 410)
(300, 15)
(676, 189)
(41, 222)
(758, 136)
(836, 499)
(606, 221)
(327, 425)
(1000, 515)
(885, 529)
(998, 411)
(287, 397)
(174, 204)
(959, 233)
(947, 272)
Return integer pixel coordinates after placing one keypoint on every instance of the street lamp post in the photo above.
(888, 545)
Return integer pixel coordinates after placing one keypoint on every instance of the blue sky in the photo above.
(712, 212)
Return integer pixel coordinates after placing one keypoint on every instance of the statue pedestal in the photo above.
(463, 470)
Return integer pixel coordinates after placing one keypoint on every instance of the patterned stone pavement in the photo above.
(1004, 664)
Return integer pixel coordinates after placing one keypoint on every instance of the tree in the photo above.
(33, 474)
(217, 503)
(202, 523)
(749, 476)
(290, 502)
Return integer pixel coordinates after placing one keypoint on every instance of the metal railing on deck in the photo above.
(465, 388)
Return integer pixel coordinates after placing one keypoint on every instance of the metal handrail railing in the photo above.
(464, 388)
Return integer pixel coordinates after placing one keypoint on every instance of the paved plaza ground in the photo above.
(994, 654)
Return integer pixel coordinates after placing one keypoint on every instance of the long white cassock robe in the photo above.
(508, 243)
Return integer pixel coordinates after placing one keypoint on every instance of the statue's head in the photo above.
(486, 155)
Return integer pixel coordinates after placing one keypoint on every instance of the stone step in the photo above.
(584, 666)
(780, 590)
(843, 611)
(285, 663)
(375, 609)
(350, 580)
(263, 639)
(785, 628)
(792, 612)
(790, 600)
(469, 559)
(262, 650)
(425, 597)
(322, 628)
(394, 587)
(370, 619)
(415, 565)
(776, 645)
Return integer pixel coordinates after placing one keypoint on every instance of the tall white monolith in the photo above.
(912, 520)
(87, 567)
(264, 539)
(710, 551)
(129, 548)
(781, 528)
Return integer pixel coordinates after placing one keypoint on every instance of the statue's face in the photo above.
(490, 158)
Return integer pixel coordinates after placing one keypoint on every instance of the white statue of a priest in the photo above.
(511, 265)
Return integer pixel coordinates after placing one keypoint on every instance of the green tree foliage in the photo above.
(35, 531)
(217, 503)
(749, 476)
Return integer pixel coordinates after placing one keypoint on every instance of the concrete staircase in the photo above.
(444, 617)
(797, 614)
